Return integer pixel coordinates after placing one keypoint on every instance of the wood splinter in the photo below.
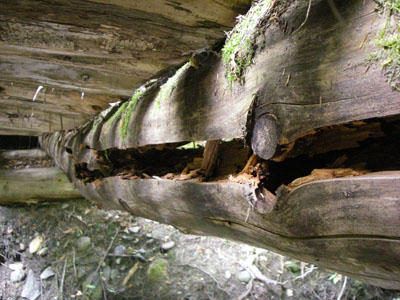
(210, 156)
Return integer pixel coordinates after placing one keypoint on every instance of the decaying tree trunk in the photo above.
(73, 57)
(345, 215)
(34, 185)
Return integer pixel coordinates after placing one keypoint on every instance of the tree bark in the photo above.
(35, 185)
(103, 49)
(300, 85)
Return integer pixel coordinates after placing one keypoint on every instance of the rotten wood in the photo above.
(350, 224)
(210, 157)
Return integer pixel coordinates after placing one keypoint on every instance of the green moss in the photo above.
(238, 51)
(167, 88)
(127, 113)
(116, 114)
(388, 40)
(157, 271)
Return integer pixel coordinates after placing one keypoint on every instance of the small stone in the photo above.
(43, 251)
(228, 275)
(31, 288)
(123, 268)
(83, 243)
(168, 246)
(106, 274)
(149, 236)
(244, 276)
(289, 292)
(17, 275)
(114, 274)
(36, 244)
(64, 206)
(142, 251)
(157, 271)
(149, 242)
(47, 273)
(22, 247)
(16, 266)
(120, 249)
(118, 261)
(127, 237)
(134, 229)
(81, 273)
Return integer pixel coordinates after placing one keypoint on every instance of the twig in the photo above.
(80, 220)
(108, 250)
(73, 262)
(62, 279)
(136, 256)
(339, 297)
(208, 274)
(306, 273)
(104, 290)
(306, 18)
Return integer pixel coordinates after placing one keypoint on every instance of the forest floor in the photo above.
(83, 252)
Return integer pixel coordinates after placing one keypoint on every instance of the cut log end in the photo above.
(265, 137)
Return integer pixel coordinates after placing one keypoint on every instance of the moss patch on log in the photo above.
(127, 113)
(167, 88)
(388, 40)
(239, 49)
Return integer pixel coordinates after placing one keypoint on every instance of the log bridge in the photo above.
(289, 142)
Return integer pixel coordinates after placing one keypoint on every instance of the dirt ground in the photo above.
(83, 252)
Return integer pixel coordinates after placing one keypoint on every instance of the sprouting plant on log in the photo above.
(239, 49)
(389, 41)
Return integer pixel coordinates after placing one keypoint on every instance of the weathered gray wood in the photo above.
(350, 225)
(106, 48)
(329, 84)
(18, 154)
(339, 224)
(35, 184)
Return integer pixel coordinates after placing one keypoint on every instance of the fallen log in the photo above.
(33, 185)
(19, 154)
(345, 218)
(72, 58)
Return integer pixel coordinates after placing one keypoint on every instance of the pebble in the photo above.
(17, 275)
(228, 275)
(142, 251)
(43, 251)
(114, 274)
(127, 237)
(64, 206)
(16, 266)
(168, 246)
(36, 244)
(120, 249)
(83, 243)
(22, 247)
(47, 273)
(118, 261)
(244, 276)
(134, 229)
(31, 289)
